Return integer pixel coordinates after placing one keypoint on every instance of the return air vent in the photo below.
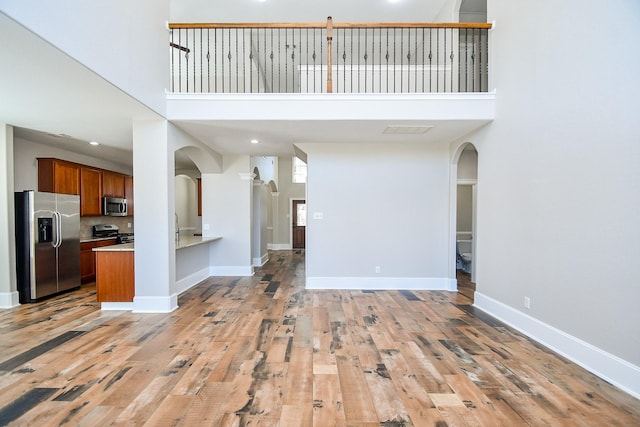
(406, 129)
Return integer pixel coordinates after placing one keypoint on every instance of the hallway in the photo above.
(262, 350)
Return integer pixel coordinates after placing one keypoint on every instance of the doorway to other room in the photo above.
(298, 223)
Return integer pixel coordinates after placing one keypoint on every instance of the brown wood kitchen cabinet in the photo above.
(58, 176)
(90, 191)
(112, 184)
(88, 258)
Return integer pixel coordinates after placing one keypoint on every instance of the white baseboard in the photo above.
(155, 304)
(232, 271)
(381, 283)
(191, 280)
(113, 306)
(279, 246)
(259, 262)
(9, 299)
(607, 366)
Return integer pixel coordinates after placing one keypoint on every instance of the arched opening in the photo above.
(464, 201)
(188, 221)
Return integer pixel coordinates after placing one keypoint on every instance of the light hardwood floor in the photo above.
(262, 351)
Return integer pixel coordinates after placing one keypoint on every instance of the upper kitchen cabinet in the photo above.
(58, 176)
(128, 193)
(90, 191)
(112, 184)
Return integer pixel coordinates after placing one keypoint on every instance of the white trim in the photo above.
(467, 181)
(191, 280)
(116, 306)
(155, 304)
(382, 283)
(9, 299)
(259, 262)
(607, 366)
(280, 246)
(233, 271)
(247, 176)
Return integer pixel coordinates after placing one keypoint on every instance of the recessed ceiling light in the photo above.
(254, 141)
(94, 143)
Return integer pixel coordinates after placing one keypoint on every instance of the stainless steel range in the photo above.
(112, 230)
(125, 238)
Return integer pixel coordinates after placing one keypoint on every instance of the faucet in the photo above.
(177, 227)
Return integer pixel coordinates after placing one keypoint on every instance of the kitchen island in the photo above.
(115, 273)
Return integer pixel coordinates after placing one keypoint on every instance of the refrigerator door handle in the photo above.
(58, 228)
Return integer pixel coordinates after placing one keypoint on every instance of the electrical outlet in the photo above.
(527, 302)
(128, 225)
(377, 269)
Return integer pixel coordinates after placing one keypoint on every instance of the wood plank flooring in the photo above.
(263, 351)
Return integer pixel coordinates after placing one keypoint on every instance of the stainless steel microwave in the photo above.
(114, 206)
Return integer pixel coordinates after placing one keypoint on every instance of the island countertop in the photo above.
(187, 241)
(183, 242)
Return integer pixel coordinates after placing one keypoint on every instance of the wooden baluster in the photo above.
(329, 53)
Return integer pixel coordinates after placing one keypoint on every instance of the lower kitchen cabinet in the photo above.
(88, 258)
(115, 275)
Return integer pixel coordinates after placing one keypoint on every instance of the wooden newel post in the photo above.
(329, 50)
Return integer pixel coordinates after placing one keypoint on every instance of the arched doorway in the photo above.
(464, 183)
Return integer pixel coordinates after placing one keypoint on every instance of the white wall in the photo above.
(558, 176)
(381, 205)
(308, 11)
(226, 211)
(464, 216)
(120, 40)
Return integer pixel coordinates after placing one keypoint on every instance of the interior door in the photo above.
(299, 223)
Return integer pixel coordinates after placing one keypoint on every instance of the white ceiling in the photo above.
(72, 105)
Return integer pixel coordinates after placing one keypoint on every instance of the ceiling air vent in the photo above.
(406, 129)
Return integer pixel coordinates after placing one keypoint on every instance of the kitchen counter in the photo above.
(123, 247)
(188, 241)
(183, 242)
(96, 239)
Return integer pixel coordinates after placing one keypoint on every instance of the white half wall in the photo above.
(192, 266)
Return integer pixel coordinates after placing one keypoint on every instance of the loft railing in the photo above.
(329, 57)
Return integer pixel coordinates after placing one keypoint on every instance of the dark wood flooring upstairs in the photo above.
(263, 351)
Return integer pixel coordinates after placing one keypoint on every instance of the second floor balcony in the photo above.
(329, 57)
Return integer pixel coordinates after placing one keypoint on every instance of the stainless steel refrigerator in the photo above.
(47, 244)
